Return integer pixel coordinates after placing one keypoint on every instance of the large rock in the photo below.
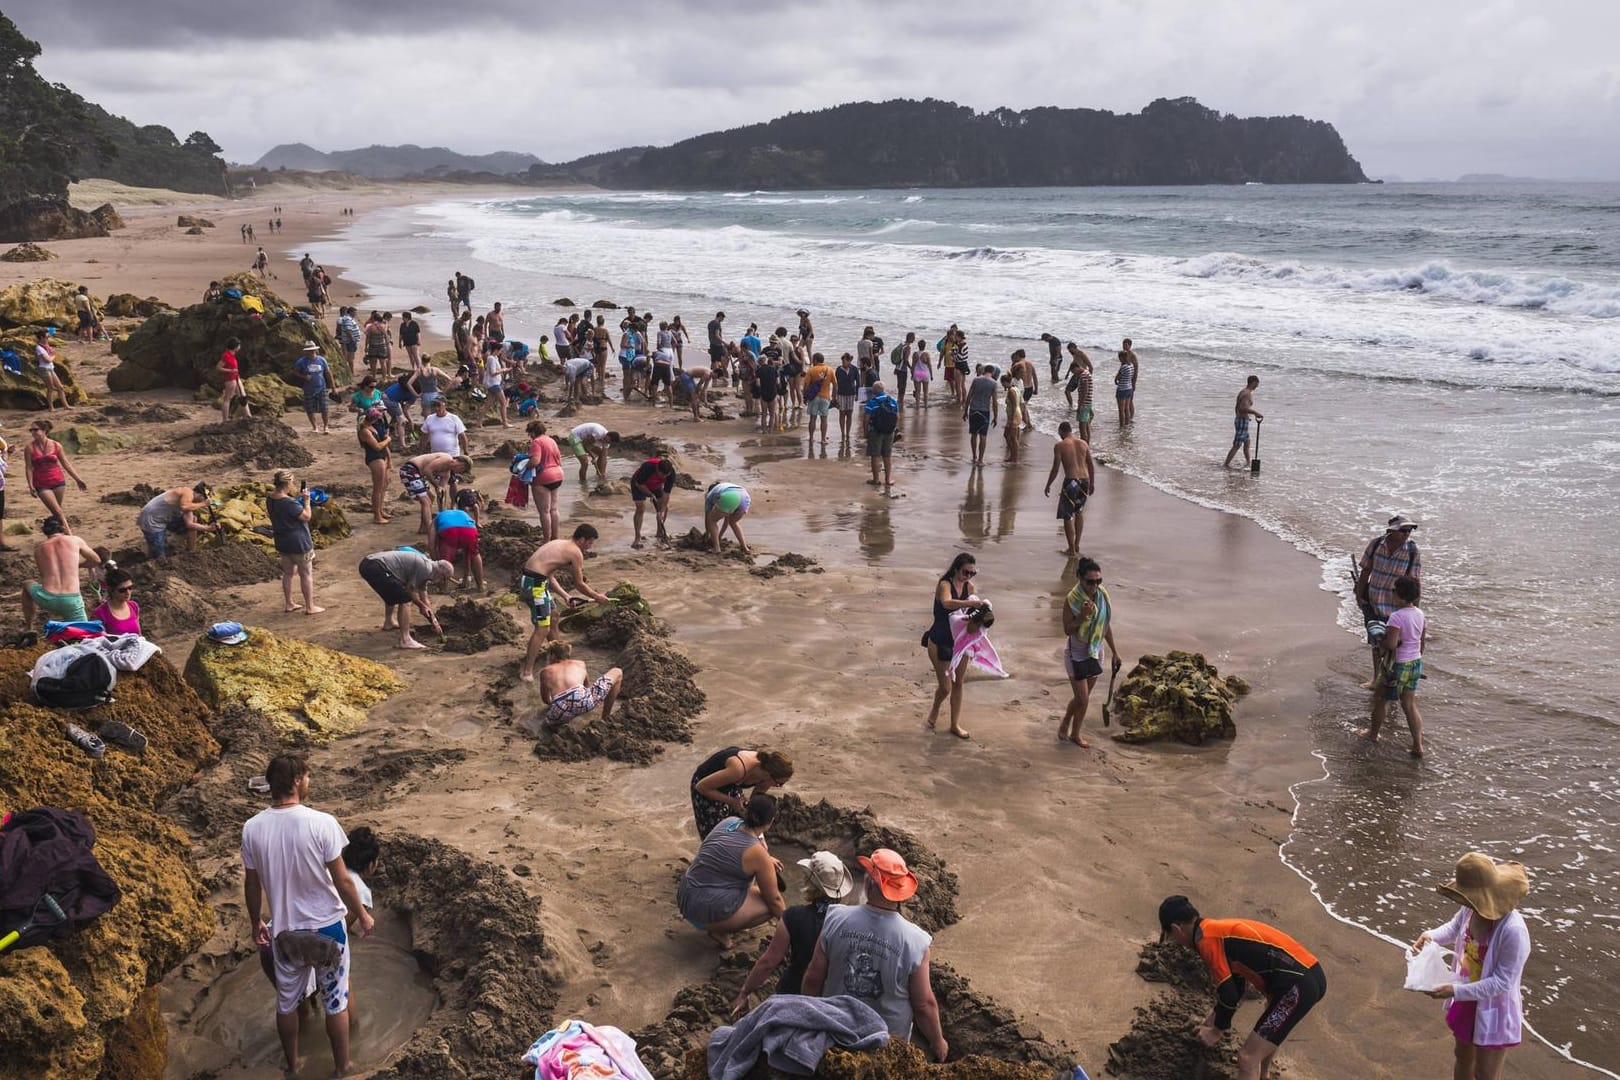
(269, 395)
(28, 253)
(243, 509)
(1179, 695)
(64, 1005)
(107, 217)
(186, 221)
(44, 218)
(84, 439)
(27, 391)
(129, 306)
(41, 302)
(182, 348)
(310, 692)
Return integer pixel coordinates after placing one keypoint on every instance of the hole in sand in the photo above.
(232, 1031)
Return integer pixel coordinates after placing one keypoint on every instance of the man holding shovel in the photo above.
(1240, 422)
(1088, 622)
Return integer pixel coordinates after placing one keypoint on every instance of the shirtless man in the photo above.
(538, 587)
(1240, 422)
(695, 381)
(1023, 370)
(563, 687)
(426, 476)
(1073, 456)
(56, 594)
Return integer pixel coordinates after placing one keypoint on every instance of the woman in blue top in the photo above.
(951, 593)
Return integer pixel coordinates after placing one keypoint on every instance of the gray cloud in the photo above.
(1437, 89)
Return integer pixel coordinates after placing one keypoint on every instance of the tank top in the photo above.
(714, 763)
(546, 459)
(804, 927)
(718, 862)
(132, 625)
(46, 465)
(428, 382)
(941, 630)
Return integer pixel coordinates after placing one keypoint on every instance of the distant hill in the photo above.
(905, 143)
(394, 162)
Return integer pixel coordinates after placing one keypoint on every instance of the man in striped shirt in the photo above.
(1080, 379)
(1382, 563)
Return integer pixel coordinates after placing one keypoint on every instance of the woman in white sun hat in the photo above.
(827, 881)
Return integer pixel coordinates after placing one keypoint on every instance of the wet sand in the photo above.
(1061, 854)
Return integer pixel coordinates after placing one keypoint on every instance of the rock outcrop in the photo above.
(74, 1008)
(107, 217)
(129, 306)
(186, 221)
(1179, 695)
(46, 218)
(83, 439)
(41, 302)
(182, 348)
(311, 693)
(27, 391)
(28, 253)
(243, 512)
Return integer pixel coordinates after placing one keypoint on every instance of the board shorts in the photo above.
(1072, 499)
(314, 402)
(1240, 430)
(85, 321)
(978, 423)
(389, 589)
(458, 541)
(65, 607)
(1287, 1009)
(879, 444)
(846, 403)
(535, 592)
(331, 983)
(576, 447)
(662, 373)
(416, 485)
(717, 353)
(819, 406)
(1400, 677)
(1086, 414)
(576, 701)
(1082, 666)
(1029, 392)
(1376, 629)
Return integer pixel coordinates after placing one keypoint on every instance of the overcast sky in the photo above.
(1417, 88)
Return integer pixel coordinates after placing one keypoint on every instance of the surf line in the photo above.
(1282, 855)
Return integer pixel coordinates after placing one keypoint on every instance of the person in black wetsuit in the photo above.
(950, 594)
(827, 882)
(721, 785)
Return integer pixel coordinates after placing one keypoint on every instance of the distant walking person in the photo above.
(1125, 382)
(1240, 422)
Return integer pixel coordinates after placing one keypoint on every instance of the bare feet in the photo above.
(722, 940)
(312, 610)
(526, 676)
(290, 608)
(932, 723)
(1080, 742)
(1368, 733)
(1415, 751)
(638, 545)
(959, 733)
(411, 643)
(388, 624)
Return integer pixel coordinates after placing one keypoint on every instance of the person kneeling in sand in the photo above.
(563, 687)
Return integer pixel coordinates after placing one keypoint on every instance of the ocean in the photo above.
(1447, 351)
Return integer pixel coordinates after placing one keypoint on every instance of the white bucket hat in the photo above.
(829, 873)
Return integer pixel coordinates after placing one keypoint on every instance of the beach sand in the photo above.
(1061, 854)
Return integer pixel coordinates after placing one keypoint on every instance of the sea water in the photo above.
(1450, 352)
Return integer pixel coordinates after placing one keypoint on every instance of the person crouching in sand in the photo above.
(400, 578)
(732, 883)
(564, 690)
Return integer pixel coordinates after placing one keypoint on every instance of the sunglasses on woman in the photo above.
(1093, 581)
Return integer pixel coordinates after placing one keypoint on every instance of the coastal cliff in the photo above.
(932, 143)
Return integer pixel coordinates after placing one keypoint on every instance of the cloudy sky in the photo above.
(1418, 88)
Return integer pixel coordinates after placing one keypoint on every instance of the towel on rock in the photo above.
(793, 1031)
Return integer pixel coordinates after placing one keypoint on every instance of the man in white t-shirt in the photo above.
(294, 855)
(445, 432)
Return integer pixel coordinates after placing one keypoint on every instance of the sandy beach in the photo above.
(1060, 855)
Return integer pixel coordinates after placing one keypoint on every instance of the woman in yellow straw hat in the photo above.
(1491, 944)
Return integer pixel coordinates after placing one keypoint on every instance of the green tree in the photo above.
(201, 143)
(43, 128)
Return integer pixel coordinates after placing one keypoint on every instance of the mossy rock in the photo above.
(84, 439)
(27, 391)
(309, 692)
(41, 302)
(605, 305)
(182, 348)
(625, 596)
(564, 301)
(187, 221)
(18, 528)
(269, 395)
(129, 306)
(28, 253)
(1179, 695)
(244, 512)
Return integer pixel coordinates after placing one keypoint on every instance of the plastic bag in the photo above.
(1429, 968)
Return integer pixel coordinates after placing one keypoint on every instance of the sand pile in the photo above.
(210, 567)
(214, 806)
(791, 562)
(506, 544)
(475, 626)
(642, 447)
(139, 495)
(695, 539)
(172, 607)
(262, 442)
(65, 1005)
(1162, 1043)
(27, 252)
(388, 775)
(1179, 695)
(141, 412)
(307, 690)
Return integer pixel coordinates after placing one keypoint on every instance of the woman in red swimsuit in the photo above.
(44, 464)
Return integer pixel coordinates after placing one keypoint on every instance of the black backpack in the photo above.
(46, 852)
(86, 682)
(885, 417)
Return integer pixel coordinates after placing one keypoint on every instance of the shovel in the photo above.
(1109, 700)
(57, 916)
(1254, 465)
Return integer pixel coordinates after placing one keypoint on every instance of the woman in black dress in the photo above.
(721, 785)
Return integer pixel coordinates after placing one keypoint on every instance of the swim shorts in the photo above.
(1072, 499)
(577, 701)
(458, 541)
(1086, 414)
(819, 406)
(1081, 665)
(1240, 430)
(332, 983)
(1287, 1009)
(879, 444)
(1400, 678)
(1029, 392)
(978, 423)
(535, 592)
(1376, 628)
(388, 588)
(416, 486)
(65, 607)
(315, 402)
